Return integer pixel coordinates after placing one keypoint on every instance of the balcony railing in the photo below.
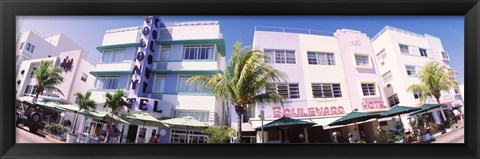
(293, 30)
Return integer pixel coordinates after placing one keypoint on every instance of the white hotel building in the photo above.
(401, 54)
(32, 48)
(184, 49)
(328, 77)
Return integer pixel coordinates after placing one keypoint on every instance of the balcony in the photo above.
(185, 65)
(113, 68)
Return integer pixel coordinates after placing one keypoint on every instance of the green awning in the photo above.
(284, 122)
(354, 117)
(426, 107)
(143, 119)
(397, 110)
(184, 122)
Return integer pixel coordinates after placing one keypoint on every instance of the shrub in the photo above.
(56, 129)
(219, 134)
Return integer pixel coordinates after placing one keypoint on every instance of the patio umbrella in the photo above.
(143, 119)
(283, 123)
(426, 107)
(398, 110)
(354, 117)
(185, 122)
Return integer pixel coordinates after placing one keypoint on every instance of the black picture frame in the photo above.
(467, 8)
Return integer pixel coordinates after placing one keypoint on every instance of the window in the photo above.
(29, 47)
(31, 89)
(411, 70)
(113, 55)
(456, 89)
(417, 94)
(202, 116)
(164, 52)
(84, 77)
(368, 89)
(445, 55)
(159, 84)
(404, 49)
(280, 56)
(106, 82)
(321, 58)
(423, 52)
(183, 86)
(393, 100)
(32, 74)
(387, 76)
(326, 90)
(198, 52)
(21, 45)
(194, 136)
(289, 91)
(362, 60)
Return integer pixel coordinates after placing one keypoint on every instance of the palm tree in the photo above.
(244, 82)
(84, 103)
(115, 102)
(47, 76)
(435, 78)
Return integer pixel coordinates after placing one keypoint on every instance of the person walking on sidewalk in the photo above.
(113, 134)
(458, 118)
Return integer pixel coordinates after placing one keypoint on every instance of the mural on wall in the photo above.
(67, 64)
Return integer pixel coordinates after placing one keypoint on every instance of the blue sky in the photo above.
(88, 31)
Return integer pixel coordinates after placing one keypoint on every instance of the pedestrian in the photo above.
(334, 138)
(301, 138)
(382, 136)
(363, 136)
(351, 138)
(113, 134)
(458, 117)
(154, 139)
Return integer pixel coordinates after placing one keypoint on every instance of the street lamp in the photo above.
(262, 117)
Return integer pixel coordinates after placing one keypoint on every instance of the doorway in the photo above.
(132, 133)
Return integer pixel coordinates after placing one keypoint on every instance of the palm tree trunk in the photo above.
(239, 127)
(36, 97)
(75, 123)
(441, 109)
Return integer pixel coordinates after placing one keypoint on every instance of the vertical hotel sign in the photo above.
(141, 80)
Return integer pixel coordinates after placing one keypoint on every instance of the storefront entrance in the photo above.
(132, 133)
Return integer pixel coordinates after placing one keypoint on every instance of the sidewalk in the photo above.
(449, 131)
(44, 135)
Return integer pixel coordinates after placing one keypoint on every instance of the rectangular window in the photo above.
(84, 77)
(194, 136)
(423, 52)
(198, 52)
(106, 82)
(29, 47)
(280, 56)
(184, 86)
(368, 89)
(404, 49)
(30, 90)
(445, 55)
(387, 76)
(326, 90)
(411, 70)
(417, 94)
(362, 60)
(159, 84)
(32, 74)
(321, 58)
(290, 91)
(393, 100)
(113, 55)
(164, 52)
(21, 45)
(202, 116)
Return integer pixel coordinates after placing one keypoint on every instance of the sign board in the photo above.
(141, 81)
